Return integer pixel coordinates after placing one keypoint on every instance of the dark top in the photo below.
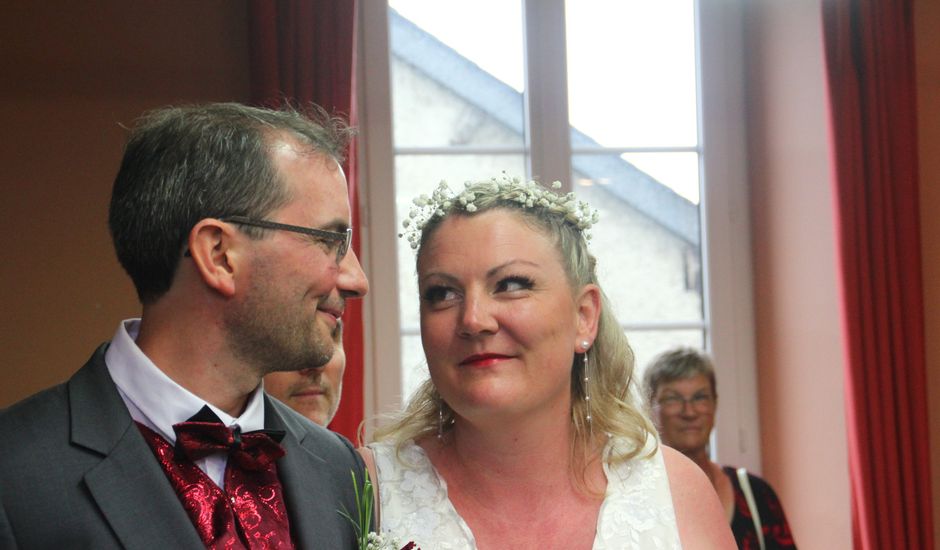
(774, 524)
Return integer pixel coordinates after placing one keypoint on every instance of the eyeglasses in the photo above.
(701, 402)
(341, 238)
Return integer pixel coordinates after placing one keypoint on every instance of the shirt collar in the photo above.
(154, 399)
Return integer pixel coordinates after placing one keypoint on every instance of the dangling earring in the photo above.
(440, 421)
(585, 345)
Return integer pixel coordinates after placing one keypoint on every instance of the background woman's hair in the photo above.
(676, 364)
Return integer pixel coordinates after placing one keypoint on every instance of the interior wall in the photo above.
(927, 50)
(73, 74)
(799, 341)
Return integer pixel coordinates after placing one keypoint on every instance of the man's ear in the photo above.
(589, 313)
(214, 247)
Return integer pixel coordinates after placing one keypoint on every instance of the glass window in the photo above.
(457, 73)
(647, 241)
(631, 75)
(460, 111)
(457, 114)
(631, 71)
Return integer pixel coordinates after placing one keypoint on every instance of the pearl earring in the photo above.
(585, 346)
(440, 421)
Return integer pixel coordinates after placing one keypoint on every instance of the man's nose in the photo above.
(352, 281)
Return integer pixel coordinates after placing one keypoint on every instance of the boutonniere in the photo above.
(365, 500)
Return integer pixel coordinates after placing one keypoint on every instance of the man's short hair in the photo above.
(184, 164)
(677, 364)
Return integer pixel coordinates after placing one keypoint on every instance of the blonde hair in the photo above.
(613, 404)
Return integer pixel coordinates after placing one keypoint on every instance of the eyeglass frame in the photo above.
(344, 238)
(679, 402)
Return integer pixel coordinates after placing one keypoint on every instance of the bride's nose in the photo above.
(476, 316)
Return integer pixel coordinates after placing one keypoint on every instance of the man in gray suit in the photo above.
(233, 223)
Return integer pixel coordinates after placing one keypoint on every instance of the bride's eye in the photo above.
(437, 294)
(514, 283)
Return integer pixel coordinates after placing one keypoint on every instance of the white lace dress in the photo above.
(637, 510)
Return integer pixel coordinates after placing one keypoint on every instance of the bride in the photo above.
(527, 434)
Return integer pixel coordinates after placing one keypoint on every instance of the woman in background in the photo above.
(680, 387)
(527, 434)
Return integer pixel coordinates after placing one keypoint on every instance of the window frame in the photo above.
(724, 208)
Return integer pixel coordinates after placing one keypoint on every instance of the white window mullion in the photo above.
(382, 386)
(548, 135)
(726, 231)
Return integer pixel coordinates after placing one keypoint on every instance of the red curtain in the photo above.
(870, 65)
(303, 51)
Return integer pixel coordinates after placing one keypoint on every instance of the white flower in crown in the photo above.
(530, 194)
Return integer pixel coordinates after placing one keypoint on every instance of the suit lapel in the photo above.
(315, 519)
(128, 484)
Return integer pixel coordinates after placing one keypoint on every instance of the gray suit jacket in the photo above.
(75, 472)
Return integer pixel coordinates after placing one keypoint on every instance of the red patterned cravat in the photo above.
(250, 511)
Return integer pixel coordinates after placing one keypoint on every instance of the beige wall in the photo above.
(927, 44)
(798, 326)
(799, 357)
(73, 72)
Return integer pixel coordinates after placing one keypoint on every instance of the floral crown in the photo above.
(530, 194)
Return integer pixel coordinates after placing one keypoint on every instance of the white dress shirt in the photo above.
(156, 401)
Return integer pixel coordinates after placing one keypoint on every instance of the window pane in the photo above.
(631, 72)
(416, 174)
(677, 171)
(452, 86)
(647, 240)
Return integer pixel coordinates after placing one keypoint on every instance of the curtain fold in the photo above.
(303, 51)
(872, 96)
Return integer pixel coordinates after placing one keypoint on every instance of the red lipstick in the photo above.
(483, 360)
